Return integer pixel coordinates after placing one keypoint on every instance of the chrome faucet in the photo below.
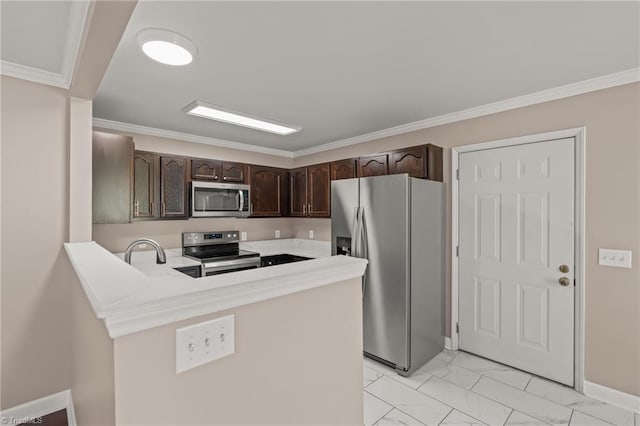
(160, 255)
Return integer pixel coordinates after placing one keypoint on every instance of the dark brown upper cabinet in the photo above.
(174, 198)
(318, 191)
(112, 166)
(298, 192)
(234, 172)
(410, 160)
(218, 171)
(268, 191)
(202, 169)
(434, 163)
(373, 165)
(145, 181)
(343, 169)
(309, 191)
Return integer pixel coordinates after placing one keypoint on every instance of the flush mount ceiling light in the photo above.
(166, 46)
(205, 110)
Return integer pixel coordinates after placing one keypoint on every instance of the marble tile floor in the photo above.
(457, 388)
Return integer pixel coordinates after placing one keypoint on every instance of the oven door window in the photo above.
(216, 200)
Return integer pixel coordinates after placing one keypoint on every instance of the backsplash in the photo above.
(168, 233)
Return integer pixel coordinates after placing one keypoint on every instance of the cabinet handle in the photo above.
(250, 209)
(224, 178)
(215, 177)
(309, 209)
(136, 210)
(304, 209)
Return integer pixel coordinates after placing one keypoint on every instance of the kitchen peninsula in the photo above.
(298, 339)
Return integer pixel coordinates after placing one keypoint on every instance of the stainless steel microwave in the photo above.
(211, 199)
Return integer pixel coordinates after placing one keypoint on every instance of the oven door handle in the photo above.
(241, 199)
(230, 264)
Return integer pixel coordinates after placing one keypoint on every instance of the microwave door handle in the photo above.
(241, 199)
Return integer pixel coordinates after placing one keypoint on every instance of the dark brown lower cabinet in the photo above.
(268, 191)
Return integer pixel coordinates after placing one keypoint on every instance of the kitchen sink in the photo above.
(280, 259)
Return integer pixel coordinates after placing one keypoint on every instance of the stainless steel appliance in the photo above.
(397, 223)
(218, 251)
(212, 199)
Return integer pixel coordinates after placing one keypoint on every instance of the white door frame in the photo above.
(578, 134)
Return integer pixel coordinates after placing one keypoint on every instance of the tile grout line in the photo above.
(509, 416)
(445, 417)
(502, 403)
(463, 412)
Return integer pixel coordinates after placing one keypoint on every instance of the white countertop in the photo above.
(132, 298)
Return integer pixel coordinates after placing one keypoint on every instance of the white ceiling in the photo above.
(342, 69)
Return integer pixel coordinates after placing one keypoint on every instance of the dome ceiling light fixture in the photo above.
(213, 112)
(166, 46)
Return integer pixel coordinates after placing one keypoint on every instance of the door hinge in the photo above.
(457, 251)
(457, 328)
(458, 174)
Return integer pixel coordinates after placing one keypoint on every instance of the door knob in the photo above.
(564, 281)
(564, 268)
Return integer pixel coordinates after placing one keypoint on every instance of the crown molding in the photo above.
(152, 131)
(75, 30)
(573, 89)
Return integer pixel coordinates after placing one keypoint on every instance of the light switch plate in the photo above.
(243, 236)
(277, 233)
(617, 258)
(311, 233)
(202, 343)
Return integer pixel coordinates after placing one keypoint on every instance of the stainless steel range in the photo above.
(218, 251)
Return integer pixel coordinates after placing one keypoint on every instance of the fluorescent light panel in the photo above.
(202, 109)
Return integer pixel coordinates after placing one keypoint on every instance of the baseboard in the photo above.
(447, 342)
(612, 396)
(40, 407)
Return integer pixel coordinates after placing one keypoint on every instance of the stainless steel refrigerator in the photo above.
(397, 223)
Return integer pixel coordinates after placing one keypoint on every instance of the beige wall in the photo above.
(307, 371)
(36, 275)
(168, 233)
(612, 120)
(80, 172)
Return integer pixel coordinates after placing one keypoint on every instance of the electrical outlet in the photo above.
(202, 343)
(277, 233)
(617, 258)
(311, 233)
(243, 236)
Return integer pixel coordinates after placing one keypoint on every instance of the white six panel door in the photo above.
(516, 230)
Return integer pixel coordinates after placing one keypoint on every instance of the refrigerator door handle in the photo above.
(364, 246)
(355, 241)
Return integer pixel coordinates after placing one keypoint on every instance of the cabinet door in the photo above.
(373, 165)
(234, 172)
(343, 169)
(434, 163)
(173, 188)
(144, 185)
(202, 169)
(111, 184)
(298, 192)
(268, 191)
(318, 192)
(409, 160)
